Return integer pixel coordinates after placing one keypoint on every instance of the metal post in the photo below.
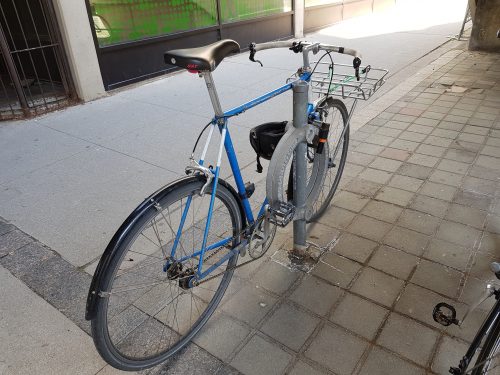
(300, 98)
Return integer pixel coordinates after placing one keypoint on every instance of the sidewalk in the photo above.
(415, 221)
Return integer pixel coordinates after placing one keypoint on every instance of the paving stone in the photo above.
(354, 247)
(381, 362)
(475, 130)
(449, 354)
(471, 199)
(359, 316)
(426, 121)
(377, 286)
(352, 170)
(368, 148)
(448, 254)
(397, 124)
(405, 183)
(402, 144)
(437, 277)
(336, 349)
(394, 153)
(418, 302)
(368, 128)
(437, 141)
(425, 160)
(316, 295)
(473, 289)
(382, 211)
(350, 201)
(62, 285)
(363, 187)
(360, 158)
(290, 326)
(302, 368)
(489, 243)
(411, 111)
(471, 138)
(405, 118)
(379, 139)
(6, 227)
(337, 217)
(466, 215)
(368, 227)
(468, 329)
(384, 164)
(453, 166)
(433, 206)
(321, 234)
(488, 162)
(394, 262)
(221, 335)
(416, 336)
(191, 360)
(493, 223)
(478, 185)
(407, 240)
(13, 240)
(224, 370)
(336, 269)
(447, 178)
(390, 132)
(24, 259)
(458, 234)
(396, 196)
(445, 133)
(275, 277)
(418, 221)
(459, 119)
(128, 320)
(480, 267)
(249, 305)
(416, 171)
(375, 175)
(272, 359)
(460, 155)
(420, 128)
(412, 136)
(440, 191)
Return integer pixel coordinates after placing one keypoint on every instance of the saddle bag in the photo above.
(264, 138)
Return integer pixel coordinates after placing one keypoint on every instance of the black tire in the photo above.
(333, 111)
(491, 347)
(125, 327)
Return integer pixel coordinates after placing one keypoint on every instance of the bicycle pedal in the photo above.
(445, 314)
(281, 214)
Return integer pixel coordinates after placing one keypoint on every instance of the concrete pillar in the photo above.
(73, 21)
(298, 26)
(485, 25)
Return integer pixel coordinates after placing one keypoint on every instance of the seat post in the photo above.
(207, 75)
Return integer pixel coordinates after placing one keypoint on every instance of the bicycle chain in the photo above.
(215, 252)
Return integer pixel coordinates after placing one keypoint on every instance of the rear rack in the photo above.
(339, 80)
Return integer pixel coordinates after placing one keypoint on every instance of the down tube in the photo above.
(231, 155)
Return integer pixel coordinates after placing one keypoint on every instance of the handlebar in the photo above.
(306, 47)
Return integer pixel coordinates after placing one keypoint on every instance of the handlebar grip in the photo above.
(269, 45)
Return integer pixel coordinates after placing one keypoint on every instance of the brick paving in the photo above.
(416, 222)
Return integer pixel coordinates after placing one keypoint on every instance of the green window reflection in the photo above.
(118, 21)
(236, 10)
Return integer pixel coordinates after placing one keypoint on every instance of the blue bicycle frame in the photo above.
(221, 120)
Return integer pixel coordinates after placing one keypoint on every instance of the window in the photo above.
(236, 10)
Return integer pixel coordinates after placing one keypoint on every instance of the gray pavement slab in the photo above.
(35, 338)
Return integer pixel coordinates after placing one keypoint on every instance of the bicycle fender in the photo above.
(276, 175)
(113, 246)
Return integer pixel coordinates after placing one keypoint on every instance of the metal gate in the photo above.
(34, 76)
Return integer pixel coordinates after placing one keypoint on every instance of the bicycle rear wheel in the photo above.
(147, 311)
(333, 112)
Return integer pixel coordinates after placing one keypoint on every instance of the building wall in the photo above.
(80, 49)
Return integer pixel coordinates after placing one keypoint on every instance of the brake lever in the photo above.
(252, 54)
(356, 63)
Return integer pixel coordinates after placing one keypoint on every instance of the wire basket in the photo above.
(339, 80)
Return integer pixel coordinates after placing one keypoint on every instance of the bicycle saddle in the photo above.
(202, 58)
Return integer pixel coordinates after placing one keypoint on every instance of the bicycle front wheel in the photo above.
(488, 361)
(333, 112)
(148, 310)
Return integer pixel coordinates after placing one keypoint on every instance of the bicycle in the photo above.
(167, 267)
(488, 357)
